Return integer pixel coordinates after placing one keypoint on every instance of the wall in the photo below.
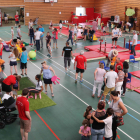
(110, 8)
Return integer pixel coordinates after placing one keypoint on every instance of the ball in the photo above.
(32, 54)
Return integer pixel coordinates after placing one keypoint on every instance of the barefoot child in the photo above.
(60, 26)
(12, 32)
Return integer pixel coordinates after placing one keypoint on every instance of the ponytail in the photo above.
(88, 110)
(85, 123)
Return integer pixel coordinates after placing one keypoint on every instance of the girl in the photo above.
(13, 59)
(75, 39)
(120, 32)
(60, 26)
(55, 37)
(85, 32)
(51, 25)
(30, 24)
(39, 87)
(82, 31)
(12, 32)
(85, 130)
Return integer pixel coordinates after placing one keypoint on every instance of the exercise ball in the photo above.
(32, 54)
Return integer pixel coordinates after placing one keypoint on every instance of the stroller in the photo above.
(36, 21)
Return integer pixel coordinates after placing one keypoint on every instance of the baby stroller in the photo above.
(36, 21)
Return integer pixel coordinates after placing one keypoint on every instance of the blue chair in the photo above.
(106, 68)
(129, 79)
(132, 59)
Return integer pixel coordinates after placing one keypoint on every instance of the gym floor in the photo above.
(63, 120)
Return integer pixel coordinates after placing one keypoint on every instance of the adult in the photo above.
(41, 29)
(85, 32)
(120, 79)
(37, 35)
(91, 34)
(7, 82)
(99, 74)
(75, 29)
(22, 104)
(70, 36)
(67, 51)
(47, 75)
(118, 108)
(81, 65)
(111, 78)
(23, 59)
(131, 21)
(30, 24)
(125, 70)
(97, 129)
(115, 35)
(13, 60)
(19, 32)
(16, 20)
(94, 25)
(118, 63)
(111, 54)
(48, 44)
(31, 34)
(5, 18)
(55, 38)
(134, 43)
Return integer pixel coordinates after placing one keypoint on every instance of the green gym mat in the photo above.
(38, 103)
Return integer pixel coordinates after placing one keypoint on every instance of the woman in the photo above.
(125, 70)
(13, 60)
(120, 79)
(23, 59)
(47, 75)
(98, 79)
(85, 32)
(55, 37)
(87, 114)
(30, 24)
(31, 34)
(97, 130)
(118, 108)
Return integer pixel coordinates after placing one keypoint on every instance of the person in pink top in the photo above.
(85, 130)
(94, 25)
(55, 37)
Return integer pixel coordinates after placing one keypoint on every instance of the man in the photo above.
(91, 33)
(48, 44)
(70, 36)
(94, 25)
(22, 104)
(115, 35)
(111, 78)
(16, 20)
(111, 54)
(18, 32)
(81, 65)
(134, 43)
(37, 35)
(41, 29)
(118, 63)
(67, 56)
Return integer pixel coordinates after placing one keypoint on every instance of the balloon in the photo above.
(32, 54)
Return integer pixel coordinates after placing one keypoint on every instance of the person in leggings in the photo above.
(118, 108)
(125, 70)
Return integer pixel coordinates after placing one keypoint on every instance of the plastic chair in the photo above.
(106, 68)
(132, 59)
(129, 79)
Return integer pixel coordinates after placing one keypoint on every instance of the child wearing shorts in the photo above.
(15, 89)
(75, 38)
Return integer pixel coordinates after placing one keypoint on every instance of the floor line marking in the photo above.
(82, 101)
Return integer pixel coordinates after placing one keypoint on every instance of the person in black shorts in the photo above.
(67, 56)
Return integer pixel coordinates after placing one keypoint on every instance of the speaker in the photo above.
(112, 18)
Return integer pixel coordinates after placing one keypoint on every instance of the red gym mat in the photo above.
(134, 85)
(136, 73)
(86, 23)
(99, 34)
(92, 55)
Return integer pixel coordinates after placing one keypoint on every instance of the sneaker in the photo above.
(45, 92)
(52, 94)
(56, 47)
(93, 95)
(53, 47)
(48, 55)
(75, 81)
(108, 102)
(81, 81)
(122, 95)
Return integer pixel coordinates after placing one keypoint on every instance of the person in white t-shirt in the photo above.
(30, 24)
(111, 77)
(60, 26)
(39, 87)
(115, 34)
(37, 35)
(134, 43)
(12, 32)
(108, 123)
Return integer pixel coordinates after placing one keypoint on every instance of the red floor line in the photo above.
(46, 125)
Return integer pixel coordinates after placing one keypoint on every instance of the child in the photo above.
(120, 32)
(60, 26)
(113, 60)
(104, 30)
(112, 26)
(124, 27)
(1, 64)
(85, 130)
(39, 87)
(1, 48)
(12, 32)
(102, 25)
(48, 44)
(75, 38)
(82, 31)
(51, 25)
(135, 20)
(107, 26)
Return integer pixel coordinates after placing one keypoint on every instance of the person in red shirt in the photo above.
(81, 65)
(7, 82)
(22, 105)
(16, 20)
(117, 64)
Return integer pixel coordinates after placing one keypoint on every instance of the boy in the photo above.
(108, 123)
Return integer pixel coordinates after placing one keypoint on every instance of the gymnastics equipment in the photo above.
(54, 79)
(129, 79)
(52, 2)
(32, 54)
(132, 59)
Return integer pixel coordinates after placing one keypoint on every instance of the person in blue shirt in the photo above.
(41, 37)
(70, 36)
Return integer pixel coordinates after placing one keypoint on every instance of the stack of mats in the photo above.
(137, 46)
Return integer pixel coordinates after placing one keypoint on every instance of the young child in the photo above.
(112, 26)
(135, 20)
(48, 44)
(108, 123)
(12, 32)
(120, 32)
(51, 25)
(104, 30)
(82, 31)
(85, 130)
(113, 60)
(75, 39)
(39, 87)
(124, 26)
(60, 26)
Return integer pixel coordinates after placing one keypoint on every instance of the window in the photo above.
(80, 11)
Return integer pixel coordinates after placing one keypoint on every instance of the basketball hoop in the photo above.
(51, 1)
